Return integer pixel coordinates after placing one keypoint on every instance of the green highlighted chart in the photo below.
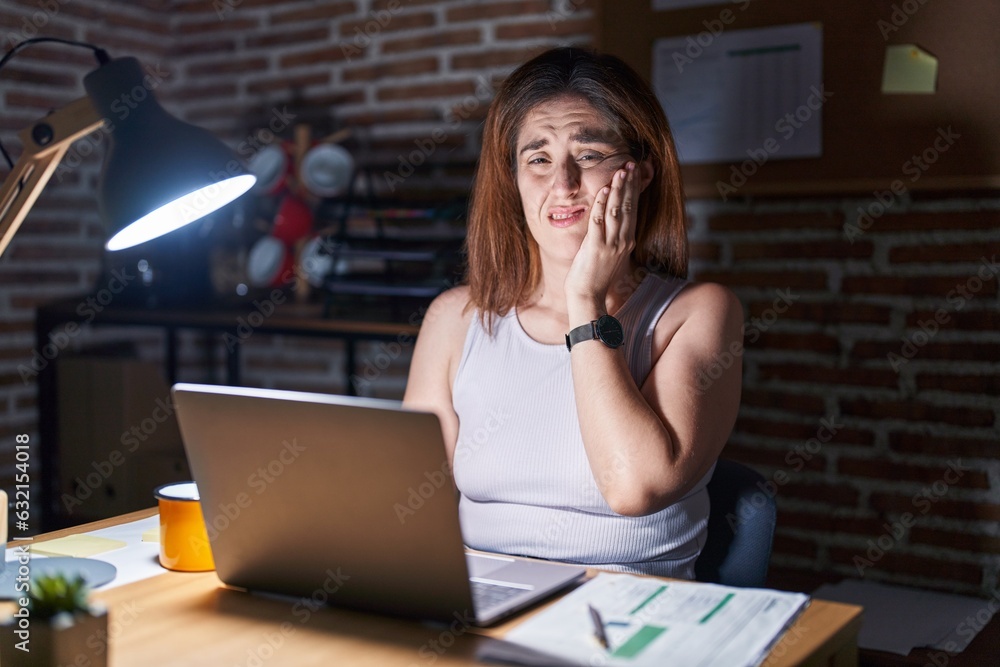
(649, 622)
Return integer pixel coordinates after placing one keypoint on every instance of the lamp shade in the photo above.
(159, 173)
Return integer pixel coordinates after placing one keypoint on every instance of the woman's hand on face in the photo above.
(609, 240)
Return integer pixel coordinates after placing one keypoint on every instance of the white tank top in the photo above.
(525, 481)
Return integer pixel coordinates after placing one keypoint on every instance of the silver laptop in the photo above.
(344, 500)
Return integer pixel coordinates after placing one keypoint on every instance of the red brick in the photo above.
(390, 116)
(544, 29)
(229, 25)
(185, 48)
(39, 77)
(380, 5)
(405, 145)
(775, 458)
(974, 320)
(912, 286)
(819, 249)
(43, 102)
(953, 351)
(205, 92)
(955, 252)
(443, 89)
(324, 10)
(708, 252)
(270, 39)
(288, 82)
(825, 522)
(840, 495)
(917, 411)
(879, 468)
(923, 222)
(953, 509)
(337, 99)
(134, 23)
(396, 22)
(437, 40)
(752, 222)
(976, 384)
(799, 342)
(202, 7)
(20, 326)
(944, 445)
(800, 432)
(955, 540)
(33, 276)
(794, 280)
(328, 54)
(35, 251)
(125, 43)
(495, 58)
(51, 29)
(391, 69)
(46, 228)
(793, 401)
(893, 562)
(481, 10)
(228, 66)
(49, 53)
(863, 377)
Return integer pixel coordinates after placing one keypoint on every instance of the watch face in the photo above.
(610, 331)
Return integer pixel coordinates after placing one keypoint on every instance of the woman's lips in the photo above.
(566, 216)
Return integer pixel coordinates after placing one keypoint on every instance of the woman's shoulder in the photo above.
(449, 315)
(700, 309)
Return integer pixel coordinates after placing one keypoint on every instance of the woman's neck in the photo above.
(550, 295)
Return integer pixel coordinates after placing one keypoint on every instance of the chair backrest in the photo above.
(740, 527)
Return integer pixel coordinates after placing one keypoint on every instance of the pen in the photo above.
(595, 616)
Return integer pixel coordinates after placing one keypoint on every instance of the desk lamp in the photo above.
(159, 173)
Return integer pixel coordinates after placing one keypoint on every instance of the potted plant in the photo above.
(63, 628)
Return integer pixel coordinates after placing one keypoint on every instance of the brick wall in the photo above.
(870, 380)
(870, 375)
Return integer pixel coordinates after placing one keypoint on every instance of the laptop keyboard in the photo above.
(489, 596)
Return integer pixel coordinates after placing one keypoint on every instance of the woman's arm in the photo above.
(435, 361)
(647, 447)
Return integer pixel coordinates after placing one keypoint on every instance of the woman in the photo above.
(598, 454)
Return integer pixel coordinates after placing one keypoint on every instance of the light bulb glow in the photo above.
(181, 211)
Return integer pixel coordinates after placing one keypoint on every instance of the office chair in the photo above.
(740, 528)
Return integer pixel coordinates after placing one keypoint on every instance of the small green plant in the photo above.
(54, 594)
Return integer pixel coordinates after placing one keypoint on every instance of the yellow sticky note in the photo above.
(909, 69)
(77, 546)
(151, 535)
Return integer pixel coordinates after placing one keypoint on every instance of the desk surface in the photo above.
(192, 619)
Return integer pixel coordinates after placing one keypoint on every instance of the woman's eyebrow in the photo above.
(587, 135)
(533, 145)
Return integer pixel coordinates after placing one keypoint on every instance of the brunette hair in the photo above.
(503, 265)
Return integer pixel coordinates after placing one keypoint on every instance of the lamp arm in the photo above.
(45, 143)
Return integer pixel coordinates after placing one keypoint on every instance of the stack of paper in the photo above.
(652, 622)
(898, 619)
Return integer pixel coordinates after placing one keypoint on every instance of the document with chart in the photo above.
(653, 622)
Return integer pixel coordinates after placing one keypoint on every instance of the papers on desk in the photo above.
(122, 546)
(898, 619)
(654, 622)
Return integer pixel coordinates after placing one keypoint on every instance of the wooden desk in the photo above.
(187, 620)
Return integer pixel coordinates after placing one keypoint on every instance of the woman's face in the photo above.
(565, 153)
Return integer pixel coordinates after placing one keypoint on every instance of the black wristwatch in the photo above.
(606, 329)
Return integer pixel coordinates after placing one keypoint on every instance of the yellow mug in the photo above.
(184, 544)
